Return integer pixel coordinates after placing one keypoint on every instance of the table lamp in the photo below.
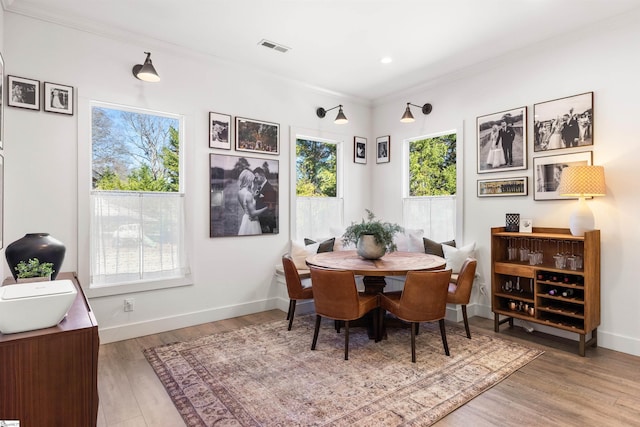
(581, 182)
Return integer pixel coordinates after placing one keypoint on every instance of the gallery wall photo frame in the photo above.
(383, 149)
(501, 187)
(219, 130)
(1, 201)
(359, 150)
(563, 123)
(1, 102)
(257, 136)
(23, 93)
(231, 180)
(58, 98)
(502, 141)
(547, 171)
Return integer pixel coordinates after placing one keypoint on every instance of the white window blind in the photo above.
(314, 216)
(136, 237)
(436, 215)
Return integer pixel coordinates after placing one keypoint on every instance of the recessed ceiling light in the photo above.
(386, 60)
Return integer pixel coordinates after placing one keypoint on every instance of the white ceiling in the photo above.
(337, 44)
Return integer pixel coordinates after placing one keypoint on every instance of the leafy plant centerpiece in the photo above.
(34, 268)
(382, 233)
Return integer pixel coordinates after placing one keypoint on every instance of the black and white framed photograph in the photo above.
(503, 187)
(547, 171)
(58, 98)
(23, 93)
(359, 150)
(383, 149)
(502, 141)
(219, 130)
(257, 136)
(244, 196)
(563, 123)
(1, 102)
(1, 201)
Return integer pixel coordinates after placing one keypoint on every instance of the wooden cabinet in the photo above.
(548, 277)
(49, 377)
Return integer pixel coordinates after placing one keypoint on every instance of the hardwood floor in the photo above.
(559, 388)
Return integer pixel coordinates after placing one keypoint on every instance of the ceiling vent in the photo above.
(274, 46)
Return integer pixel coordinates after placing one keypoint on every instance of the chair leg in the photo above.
(337, 325)
(417, 328)
(444, 337)
(413, 341)
(291, 313)
(315, 332)
(346, 340)
(466, 321)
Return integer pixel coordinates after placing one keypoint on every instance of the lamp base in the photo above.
(581, 219)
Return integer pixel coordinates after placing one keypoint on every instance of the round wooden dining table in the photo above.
(374, 271)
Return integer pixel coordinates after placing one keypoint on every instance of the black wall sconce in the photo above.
(407, 117)
(146, 71)
(340, 118)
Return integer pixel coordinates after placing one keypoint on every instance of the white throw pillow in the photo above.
(339, 245)
(455, 257)
(407, 241)
(300, 252)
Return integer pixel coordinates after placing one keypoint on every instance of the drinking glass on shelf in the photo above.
(524, 250)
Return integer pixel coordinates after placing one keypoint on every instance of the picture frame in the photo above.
(493, 133)
(548, 169)
(219, 130)
(1, 201)
(359, 150)
(257, 136)
(563, 123)
(227, 216)
(58, 98)
(501, 187)
(526, 225)
(383, 149)
(1, 102)
(23, 93)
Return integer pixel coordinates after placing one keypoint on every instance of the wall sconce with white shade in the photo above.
(581, 182)
(146, 71)
(341, 119)
(407, 117)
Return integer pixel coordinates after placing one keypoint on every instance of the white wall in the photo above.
(596, 59)
(233, 276)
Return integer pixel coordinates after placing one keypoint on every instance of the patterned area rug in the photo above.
(265, 375)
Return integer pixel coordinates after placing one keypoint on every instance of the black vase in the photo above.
(36, 245)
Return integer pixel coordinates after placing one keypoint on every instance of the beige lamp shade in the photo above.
(582, 181)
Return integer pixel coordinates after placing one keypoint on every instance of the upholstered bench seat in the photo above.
(304, 274)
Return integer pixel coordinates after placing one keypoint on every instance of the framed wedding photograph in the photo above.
(547, 171)
(219, 130)
(563, 123)
(58, 98)
(23, 93)
(359, 150)
(257, 136)
(243, 196)
(503, 187)
(502, 141)
(383, 149)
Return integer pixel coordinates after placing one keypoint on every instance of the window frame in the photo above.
(459, 220)
(85, 190)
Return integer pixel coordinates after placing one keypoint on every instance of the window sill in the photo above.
(127, 288)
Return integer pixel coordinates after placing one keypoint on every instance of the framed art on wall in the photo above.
(58, 98)
(547, 171)
(359, 150)
(1, 102)
(257, 136)
(23, 93)
(503, 187)
(383, 149)
(502, 141)
(244, 196)
(563, 123)
(219, 130)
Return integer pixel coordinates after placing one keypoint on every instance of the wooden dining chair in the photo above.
(423, 299)
(460, 291)
(336, 297)
(294, 287)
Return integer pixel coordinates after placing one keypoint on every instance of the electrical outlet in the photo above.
(128, 304)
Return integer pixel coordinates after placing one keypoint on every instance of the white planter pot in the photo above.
(368, 248)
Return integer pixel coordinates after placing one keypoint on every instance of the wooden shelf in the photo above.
(578, 313)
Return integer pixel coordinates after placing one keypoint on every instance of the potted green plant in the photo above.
(34, 271)
(373, 238)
